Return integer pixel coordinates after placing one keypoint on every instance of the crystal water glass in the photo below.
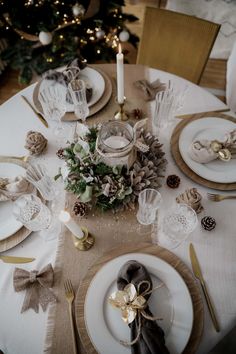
(176, 226)
(149, 202)
(32, 213)
(37, 174)
(165, 105)
(77, 89)
(180, 95)
(53, 101)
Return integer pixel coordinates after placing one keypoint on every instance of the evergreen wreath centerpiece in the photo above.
(96, 184)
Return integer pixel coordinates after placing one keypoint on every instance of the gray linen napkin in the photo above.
(151, 339)
(149, 90)
(63, 78)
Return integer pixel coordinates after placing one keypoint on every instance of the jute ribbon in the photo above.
(37, 284)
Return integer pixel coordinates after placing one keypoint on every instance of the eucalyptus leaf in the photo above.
(87, 195)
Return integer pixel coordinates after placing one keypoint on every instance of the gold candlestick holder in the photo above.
(121, 114)
(84, 243)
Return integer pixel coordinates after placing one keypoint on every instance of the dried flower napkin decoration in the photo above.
(37, 285)
(35, 142)
(192, 198)
(134, 289)
(204, 151)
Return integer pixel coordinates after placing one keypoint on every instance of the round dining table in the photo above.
(24, 333)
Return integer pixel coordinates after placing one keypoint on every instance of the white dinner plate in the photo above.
(172, 302)
(210, 129)
(91, 77)
(8, 224)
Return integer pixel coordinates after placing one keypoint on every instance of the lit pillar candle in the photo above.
(116, 142)
(120, 76)
(65, 217)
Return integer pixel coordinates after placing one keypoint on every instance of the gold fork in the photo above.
(69, 293)
(219, 197)
(21, 158)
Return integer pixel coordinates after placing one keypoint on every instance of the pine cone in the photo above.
(137, 113)
(208, 223)
(80, 209)
(142, 177)
(154, 154)
(60, 154)
(173, 181)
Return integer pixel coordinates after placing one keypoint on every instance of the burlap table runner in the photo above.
(109, 230)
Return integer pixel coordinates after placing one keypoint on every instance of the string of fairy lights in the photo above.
(111, 37)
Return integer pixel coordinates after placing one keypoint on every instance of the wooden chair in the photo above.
(176, 43)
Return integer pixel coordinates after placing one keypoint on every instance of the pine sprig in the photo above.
(102, 169)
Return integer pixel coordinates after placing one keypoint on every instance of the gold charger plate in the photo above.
(179, 160)
(14, 239)
(163, 254)
(21, 234)
(70, 116)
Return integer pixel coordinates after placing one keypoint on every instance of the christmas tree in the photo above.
(46, 34)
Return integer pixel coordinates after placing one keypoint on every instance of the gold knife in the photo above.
(11, 259)
(39, 115)
(198, 274)
(186, 116)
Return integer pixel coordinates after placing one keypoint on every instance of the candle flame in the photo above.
(119, 48)
(64, 216)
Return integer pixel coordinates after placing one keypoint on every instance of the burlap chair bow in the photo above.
(37, 284)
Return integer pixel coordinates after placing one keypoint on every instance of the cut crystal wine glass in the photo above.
(53, 101)
(176, 226)
(32, 213)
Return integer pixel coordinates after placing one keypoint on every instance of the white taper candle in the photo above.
(120, 75)
(65, 217)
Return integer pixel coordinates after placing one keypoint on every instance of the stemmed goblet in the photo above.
(176, 226)
(77, 89)
(53, 101)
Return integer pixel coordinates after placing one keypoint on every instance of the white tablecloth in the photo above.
(24, 333)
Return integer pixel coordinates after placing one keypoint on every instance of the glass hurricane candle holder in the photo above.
(116, 136)
(115, 142)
